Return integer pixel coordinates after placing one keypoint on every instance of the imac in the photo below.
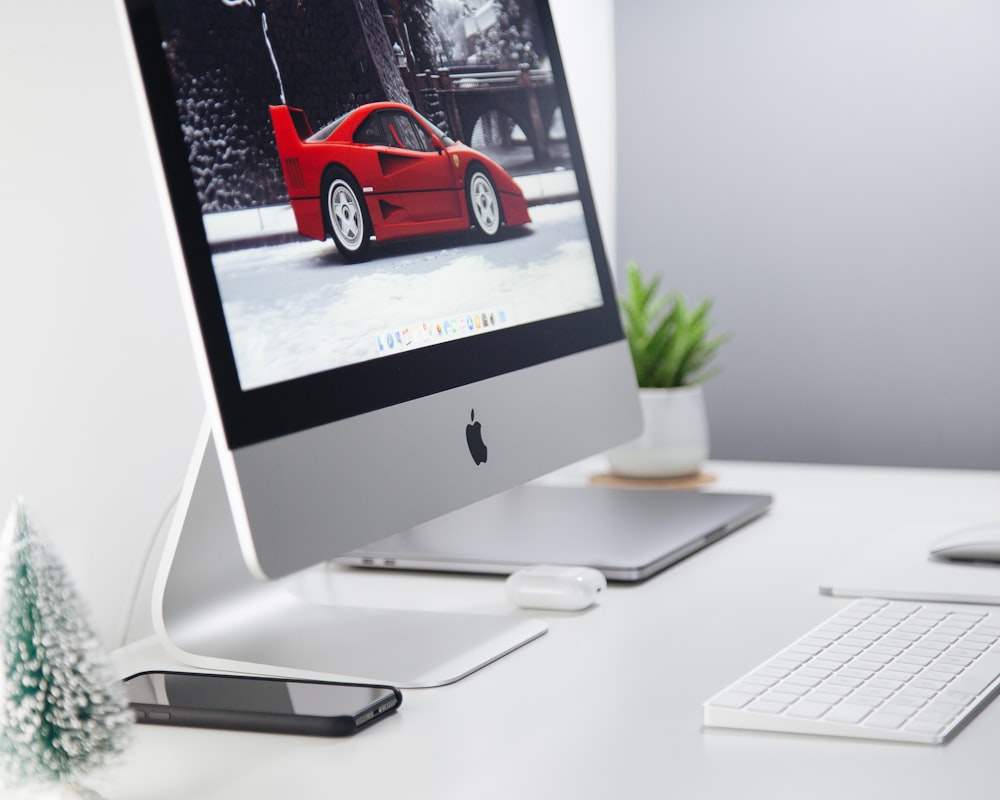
(399, 300)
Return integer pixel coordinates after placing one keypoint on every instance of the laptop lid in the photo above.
(628, 534)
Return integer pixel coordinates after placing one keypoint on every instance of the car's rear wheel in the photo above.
(484, 203)
(347, 217)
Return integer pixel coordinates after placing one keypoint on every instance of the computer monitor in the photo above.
(399, 296)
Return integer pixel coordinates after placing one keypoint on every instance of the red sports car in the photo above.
(382, 171)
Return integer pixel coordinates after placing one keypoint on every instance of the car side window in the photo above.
(371, 132)
(394, 129)
(406, 133)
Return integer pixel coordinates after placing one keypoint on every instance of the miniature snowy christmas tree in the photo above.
(61, 714)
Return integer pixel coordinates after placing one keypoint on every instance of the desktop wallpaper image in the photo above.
(479, 72)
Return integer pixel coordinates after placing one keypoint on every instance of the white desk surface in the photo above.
(608, 703)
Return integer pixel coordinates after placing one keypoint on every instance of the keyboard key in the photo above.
(937, 675)
(923, 682)
(793, 689)
(747, 686)
(844, 680)
(906, 658)
(944, 707)
(939, 718)
(820, 641)
(767, 707)
(873, 691)
(962, 698)
(826, 698)
(881, 719)
(851, 713)
(837, 656)
(901, 672)
(898, 710)
(814, 672)
(787, 664)
(917, 691)
(854, 672)
(869, 700)
(886, 683)
(911, 701)
(760, 680)
(808, 710)
(783, 698)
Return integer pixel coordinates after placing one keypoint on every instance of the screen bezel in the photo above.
(268, 412)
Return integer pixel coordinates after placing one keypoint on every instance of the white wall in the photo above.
(829, 173)
(100, 403)
(99, 400)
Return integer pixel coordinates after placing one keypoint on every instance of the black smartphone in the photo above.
(275, 705)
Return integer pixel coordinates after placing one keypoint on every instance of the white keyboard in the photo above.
(913, 672)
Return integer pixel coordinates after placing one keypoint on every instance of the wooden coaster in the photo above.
(682, 482)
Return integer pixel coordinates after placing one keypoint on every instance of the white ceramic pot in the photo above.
(674, 441)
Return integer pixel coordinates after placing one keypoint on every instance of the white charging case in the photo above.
(555, 588)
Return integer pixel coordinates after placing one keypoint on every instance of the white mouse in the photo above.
(555, 588)
(978, 543)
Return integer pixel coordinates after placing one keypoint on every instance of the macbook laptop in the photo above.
(628, 534)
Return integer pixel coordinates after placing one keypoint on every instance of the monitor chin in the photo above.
(310, 496)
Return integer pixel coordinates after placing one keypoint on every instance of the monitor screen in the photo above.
(357, 181)
(390, 256)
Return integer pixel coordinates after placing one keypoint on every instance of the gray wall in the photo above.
(828, 173)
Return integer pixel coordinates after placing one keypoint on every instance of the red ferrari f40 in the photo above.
(384, 172)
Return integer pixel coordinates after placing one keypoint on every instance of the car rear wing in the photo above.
(290, 125)
(290, 129)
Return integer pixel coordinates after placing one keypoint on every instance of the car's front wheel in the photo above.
(484, 203)
(346, 215)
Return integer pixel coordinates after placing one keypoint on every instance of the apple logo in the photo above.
(474, 436)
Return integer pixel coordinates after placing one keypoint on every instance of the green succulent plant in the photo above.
(671, 343)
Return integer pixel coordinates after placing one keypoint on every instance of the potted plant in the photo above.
(673, 348)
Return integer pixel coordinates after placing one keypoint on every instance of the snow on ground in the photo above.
(295, 309)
